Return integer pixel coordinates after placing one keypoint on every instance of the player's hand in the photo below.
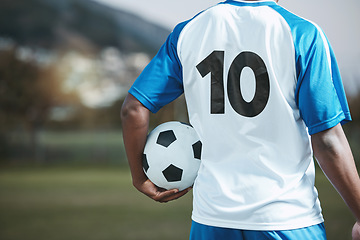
(356, 231)
(159, 194)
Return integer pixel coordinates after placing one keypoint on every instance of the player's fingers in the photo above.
(356, 231)
(175, 196)
(162, 196)
(178, 195)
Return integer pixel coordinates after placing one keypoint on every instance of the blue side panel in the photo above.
(319, 93)
(161, 81)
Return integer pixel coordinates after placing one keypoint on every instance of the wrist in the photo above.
(139, 179)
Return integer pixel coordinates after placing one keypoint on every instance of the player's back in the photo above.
(240, 78)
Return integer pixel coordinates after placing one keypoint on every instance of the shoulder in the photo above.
(300, 27)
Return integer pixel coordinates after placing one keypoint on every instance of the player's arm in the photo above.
(335, 158)
(135, 124)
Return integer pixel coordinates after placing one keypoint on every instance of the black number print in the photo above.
(214, 64)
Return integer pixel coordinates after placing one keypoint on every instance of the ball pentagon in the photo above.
(172, 173)
(166, 138)
(197, 149)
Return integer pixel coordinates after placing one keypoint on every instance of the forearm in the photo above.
(135, 121)
(334, 156)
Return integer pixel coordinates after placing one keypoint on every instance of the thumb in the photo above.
(356, 231)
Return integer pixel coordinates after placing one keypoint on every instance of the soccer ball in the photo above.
(172, 155)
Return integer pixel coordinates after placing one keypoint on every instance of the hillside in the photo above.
(81, 24)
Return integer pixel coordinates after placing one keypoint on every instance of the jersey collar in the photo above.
(251, 3)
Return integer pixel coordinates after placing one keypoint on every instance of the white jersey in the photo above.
(257, 81)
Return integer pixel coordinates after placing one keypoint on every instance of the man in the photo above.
(264, 93)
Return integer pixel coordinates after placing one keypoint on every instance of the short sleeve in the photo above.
(161, 81)
(320, 94)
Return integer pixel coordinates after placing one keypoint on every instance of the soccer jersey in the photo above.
(258, 81)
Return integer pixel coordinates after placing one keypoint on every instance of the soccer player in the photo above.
(264, 93)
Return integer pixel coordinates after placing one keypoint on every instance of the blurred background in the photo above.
(65, 68)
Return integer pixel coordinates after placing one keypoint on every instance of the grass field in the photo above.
(62, 203)
(68, 203)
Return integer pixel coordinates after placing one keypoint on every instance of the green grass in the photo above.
(65, 203)
(100, 203)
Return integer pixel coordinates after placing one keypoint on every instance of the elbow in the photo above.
(330, 142)
(125, 111)
(129, 107)
(132, 111)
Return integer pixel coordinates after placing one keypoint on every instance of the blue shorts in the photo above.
(204, 232)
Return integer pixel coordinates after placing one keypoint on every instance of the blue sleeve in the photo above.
(320, 94)
(161, 81)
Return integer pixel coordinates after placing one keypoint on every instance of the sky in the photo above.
(340, 22)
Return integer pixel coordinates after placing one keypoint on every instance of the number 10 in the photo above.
(214, 64)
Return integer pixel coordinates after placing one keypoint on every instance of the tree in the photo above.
(27, 93)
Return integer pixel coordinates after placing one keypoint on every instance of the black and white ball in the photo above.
(172, 155)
